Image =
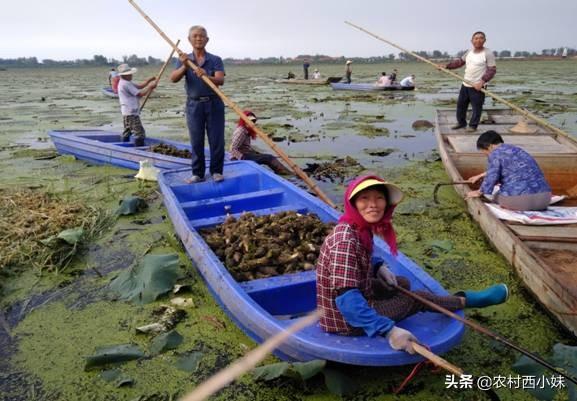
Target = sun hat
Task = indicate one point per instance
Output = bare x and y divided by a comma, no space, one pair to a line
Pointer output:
125,69
349,61
395,194
523,128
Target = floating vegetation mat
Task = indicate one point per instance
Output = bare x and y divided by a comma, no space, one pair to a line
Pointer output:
263,246
171,150
336,171
44,231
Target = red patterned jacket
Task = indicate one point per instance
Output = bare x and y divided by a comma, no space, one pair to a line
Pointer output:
343,263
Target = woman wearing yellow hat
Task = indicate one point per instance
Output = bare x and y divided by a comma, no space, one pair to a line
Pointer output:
355,294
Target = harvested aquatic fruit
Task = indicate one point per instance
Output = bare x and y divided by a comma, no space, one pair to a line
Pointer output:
263,246
170,150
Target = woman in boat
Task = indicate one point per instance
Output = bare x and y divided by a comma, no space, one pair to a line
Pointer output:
240,148
356,293
384,80
522,183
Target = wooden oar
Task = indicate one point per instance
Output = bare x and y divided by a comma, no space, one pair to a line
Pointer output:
159,75
440,184
247,362
481,329
238,111
525,113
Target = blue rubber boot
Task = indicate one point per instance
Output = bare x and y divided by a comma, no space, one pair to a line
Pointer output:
494,295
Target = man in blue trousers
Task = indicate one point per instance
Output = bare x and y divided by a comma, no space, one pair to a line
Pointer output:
204,109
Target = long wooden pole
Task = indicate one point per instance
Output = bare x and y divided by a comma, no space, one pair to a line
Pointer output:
437,360
247,362
238,111
159,75
483,330
523,112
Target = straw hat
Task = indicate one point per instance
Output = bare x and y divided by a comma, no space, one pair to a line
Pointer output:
395,194
523,128
124,69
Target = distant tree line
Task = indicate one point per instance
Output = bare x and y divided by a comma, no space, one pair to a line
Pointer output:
101,61
97,61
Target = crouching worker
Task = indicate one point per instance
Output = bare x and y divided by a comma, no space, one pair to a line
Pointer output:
523,185
355,294
240,148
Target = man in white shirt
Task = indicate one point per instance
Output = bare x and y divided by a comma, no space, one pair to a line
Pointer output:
128,96
480,68
408,82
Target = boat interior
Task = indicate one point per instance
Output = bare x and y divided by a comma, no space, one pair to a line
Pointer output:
555,153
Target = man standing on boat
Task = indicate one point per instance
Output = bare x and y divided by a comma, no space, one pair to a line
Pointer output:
306,66
348,71
480,68
204,109
128,96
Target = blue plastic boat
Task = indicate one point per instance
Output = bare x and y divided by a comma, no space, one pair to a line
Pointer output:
107,91
106,147
364,87
264,307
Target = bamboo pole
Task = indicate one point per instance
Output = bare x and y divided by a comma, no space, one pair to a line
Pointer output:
481,329
437,360
247,362
523,112
159,75
238,111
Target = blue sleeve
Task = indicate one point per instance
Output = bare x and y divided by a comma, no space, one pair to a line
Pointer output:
218,65
493,175
357,312
376,262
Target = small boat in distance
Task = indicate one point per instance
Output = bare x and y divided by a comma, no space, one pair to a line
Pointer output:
107,91
366,87
295,81
544,256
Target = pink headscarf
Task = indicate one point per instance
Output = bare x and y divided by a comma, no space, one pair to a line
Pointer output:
382,228
241,123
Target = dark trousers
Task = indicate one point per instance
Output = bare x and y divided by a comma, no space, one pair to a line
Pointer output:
206,116
476,98
399,306
132,126
260,158
306,72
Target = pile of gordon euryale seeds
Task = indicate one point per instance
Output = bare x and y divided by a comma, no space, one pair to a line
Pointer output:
263,246
170,150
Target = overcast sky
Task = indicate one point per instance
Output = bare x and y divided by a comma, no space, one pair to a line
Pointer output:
70,29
